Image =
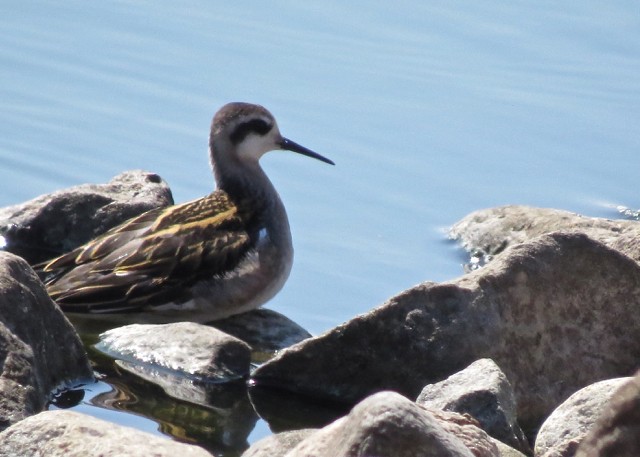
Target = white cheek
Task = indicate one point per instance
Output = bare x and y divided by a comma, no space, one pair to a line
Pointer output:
254,146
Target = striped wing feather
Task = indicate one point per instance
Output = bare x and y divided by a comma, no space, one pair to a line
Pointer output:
150,257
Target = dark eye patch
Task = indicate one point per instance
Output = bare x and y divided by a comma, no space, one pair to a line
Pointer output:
258,126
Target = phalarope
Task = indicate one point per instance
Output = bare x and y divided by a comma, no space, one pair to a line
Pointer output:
223,254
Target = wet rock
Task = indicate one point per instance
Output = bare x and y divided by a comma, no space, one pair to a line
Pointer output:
387,424
182,358
55,223
263,329
482,391
567,426
279,444
488,232
71,434
556,314
616,433
39,349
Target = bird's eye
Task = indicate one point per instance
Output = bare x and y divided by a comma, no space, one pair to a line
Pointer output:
257,126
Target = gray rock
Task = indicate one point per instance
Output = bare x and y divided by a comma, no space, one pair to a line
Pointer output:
265,330
39,349
279,444
488,232
387,424
616,433
56,223
567,426
556,314
482,391
507,451
182,358
71,434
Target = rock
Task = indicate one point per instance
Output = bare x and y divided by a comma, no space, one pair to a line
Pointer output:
39,349
556,314
182,357
616,432
567,426
387,424
488,232
507,451
70,434
279,444
52,224
265,330
482,391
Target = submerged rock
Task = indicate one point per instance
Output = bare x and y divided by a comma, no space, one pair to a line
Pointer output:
263,329
55,223
39,349
72,434
566,427
616,433
482,391
556,314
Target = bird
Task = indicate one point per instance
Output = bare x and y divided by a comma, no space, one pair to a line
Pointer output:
223,254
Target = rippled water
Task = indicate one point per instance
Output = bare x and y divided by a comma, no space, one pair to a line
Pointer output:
430,110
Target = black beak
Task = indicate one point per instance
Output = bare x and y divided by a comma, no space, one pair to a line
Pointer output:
295,147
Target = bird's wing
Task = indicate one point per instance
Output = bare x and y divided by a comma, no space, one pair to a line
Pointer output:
151,257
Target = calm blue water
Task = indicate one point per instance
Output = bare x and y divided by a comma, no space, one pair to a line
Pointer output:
430,110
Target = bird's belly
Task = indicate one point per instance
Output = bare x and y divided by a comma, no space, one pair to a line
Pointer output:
256,279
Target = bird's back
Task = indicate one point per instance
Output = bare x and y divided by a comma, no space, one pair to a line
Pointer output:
152,258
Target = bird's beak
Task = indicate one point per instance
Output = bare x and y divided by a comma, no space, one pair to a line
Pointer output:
295,147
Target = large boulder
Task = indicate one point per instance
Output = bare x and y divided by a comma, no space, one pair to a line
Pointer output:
556,313
55,223
39,349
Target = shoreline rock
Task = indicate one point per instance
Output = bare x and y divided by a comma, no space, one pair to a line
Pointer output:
483,391
569,423
58,222
616,432
40,350
70,434
543,311
185,359
486,233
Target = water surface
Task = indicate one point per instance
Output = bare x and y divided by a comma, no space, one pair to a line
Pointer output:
430,110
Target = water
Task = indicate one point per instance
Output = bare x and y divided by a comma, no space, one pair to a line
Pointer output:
430,110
